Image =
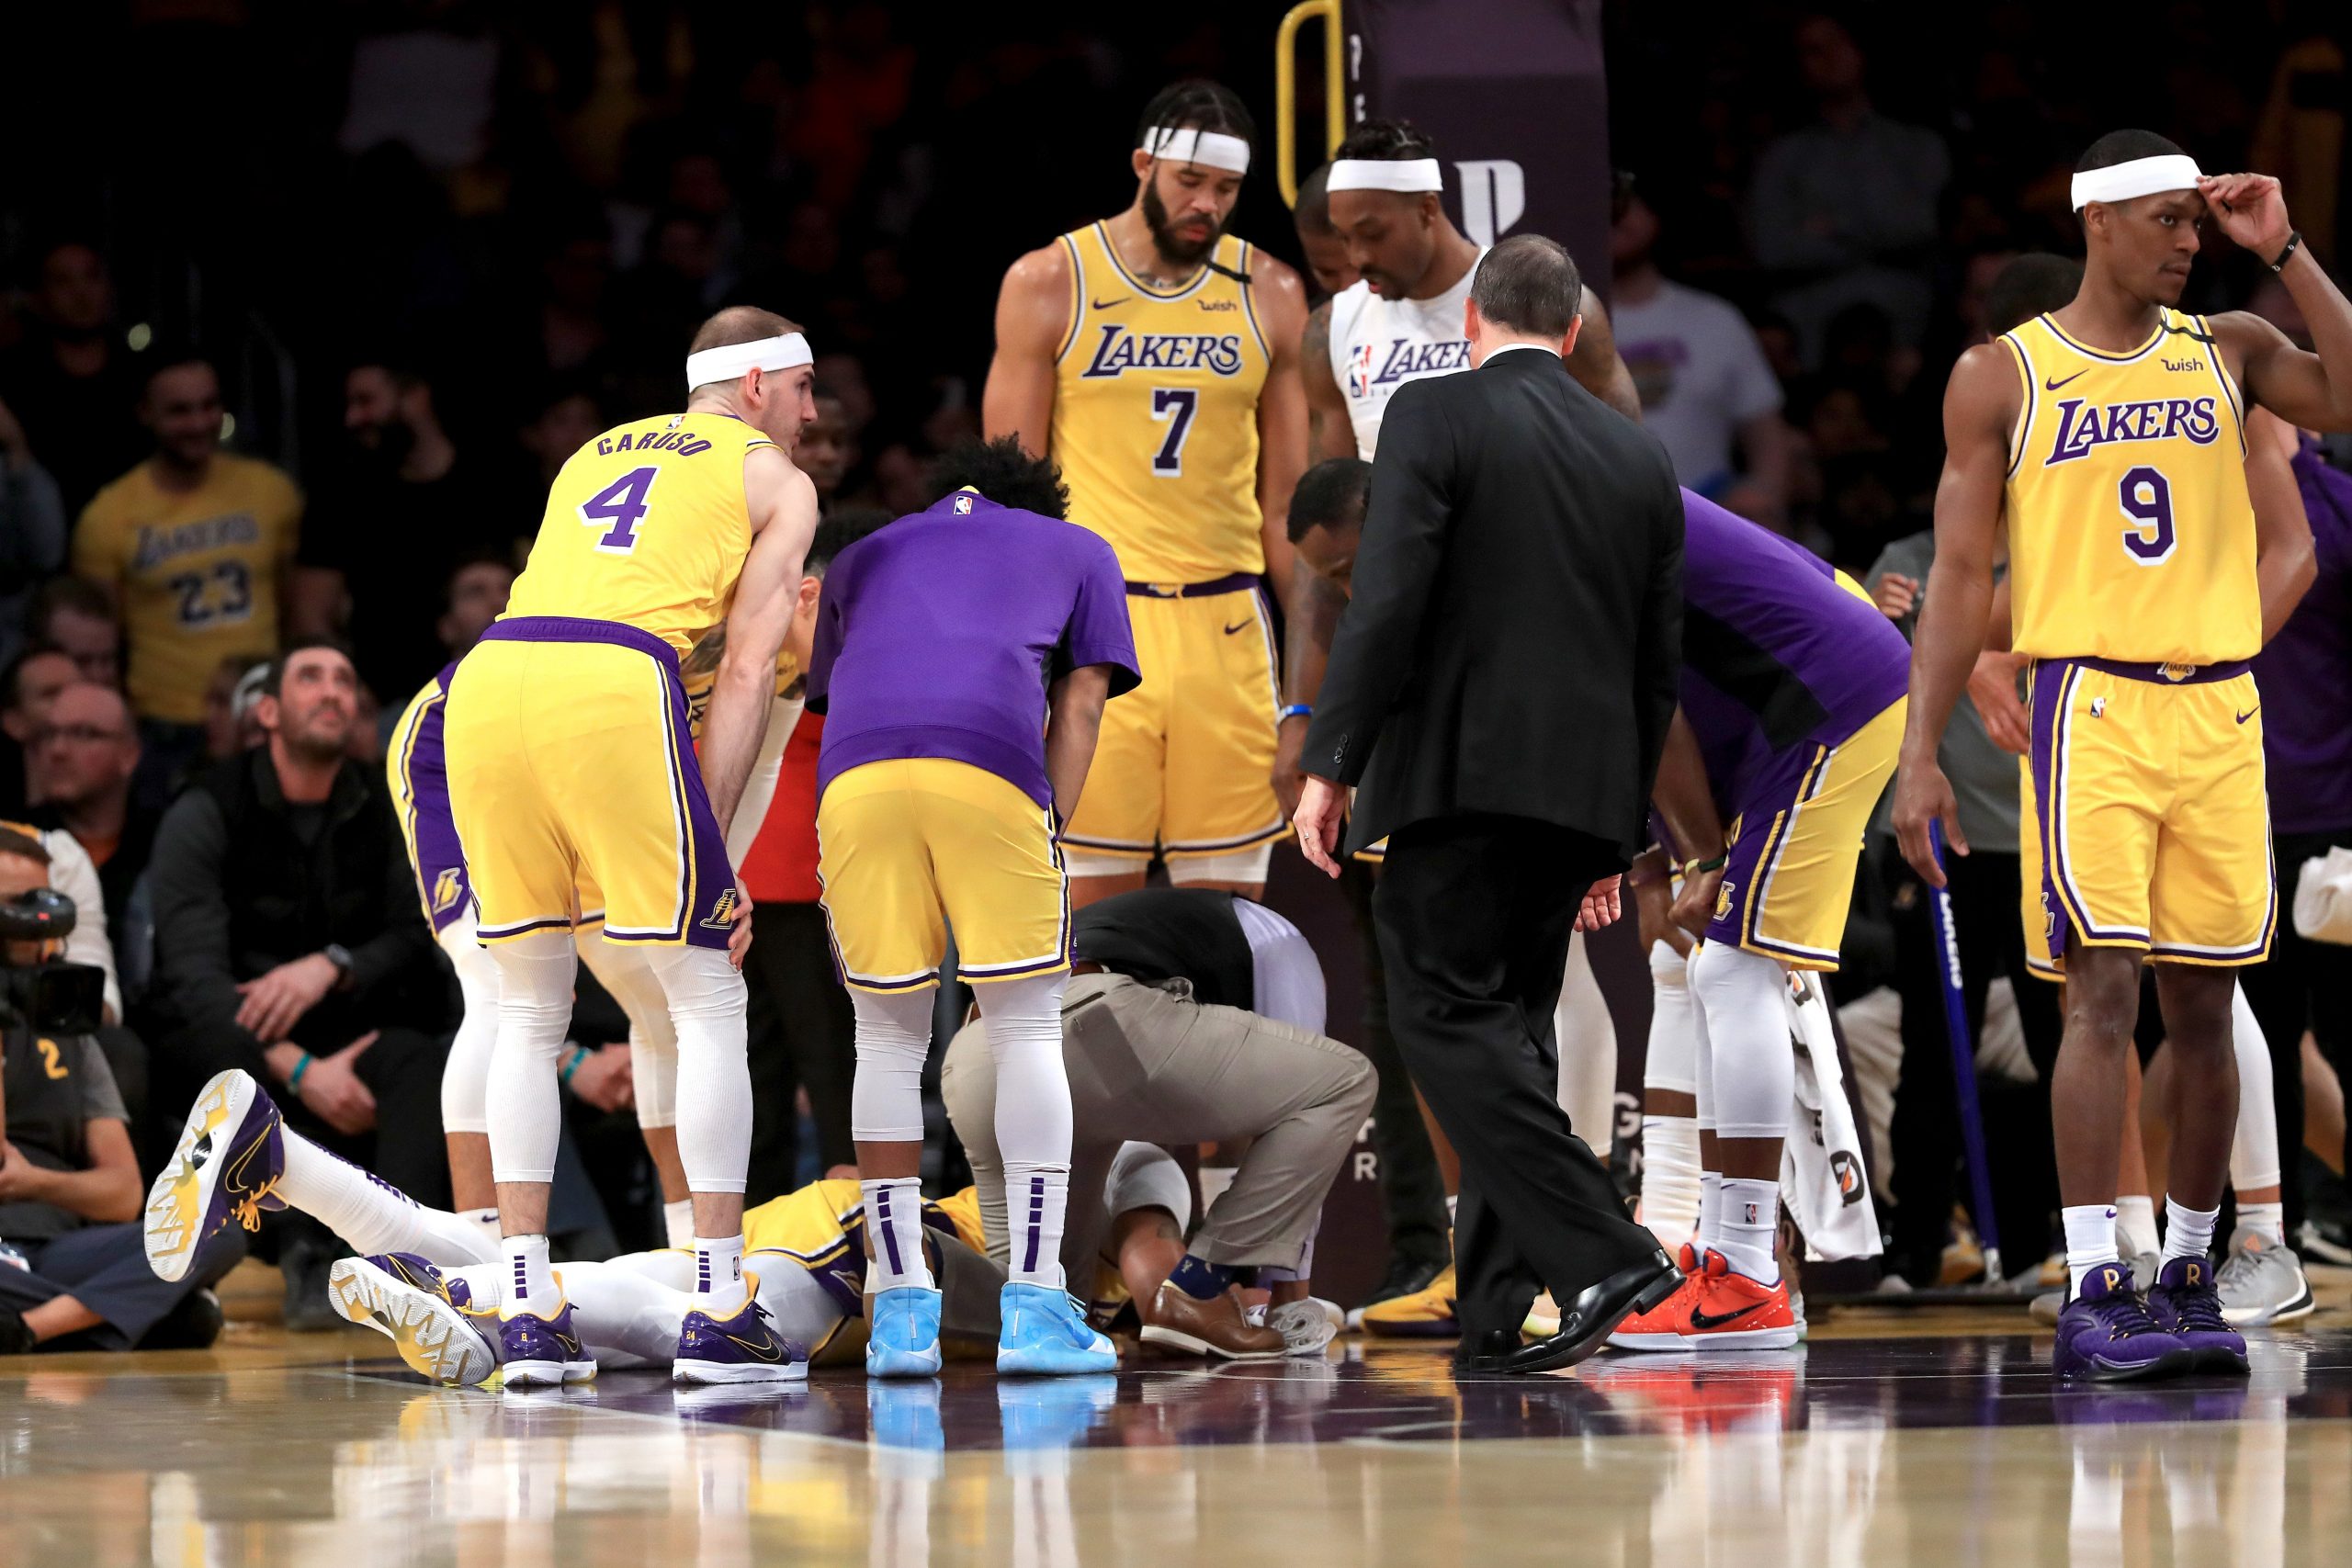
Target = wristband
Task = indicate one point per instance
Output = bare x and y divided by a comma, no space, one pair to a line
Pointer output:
579,1054
2294,241
1296,710
1693,867
294,1079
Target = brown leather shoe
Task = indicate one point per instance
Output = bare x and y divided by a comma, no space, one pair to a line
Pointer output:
1213,1328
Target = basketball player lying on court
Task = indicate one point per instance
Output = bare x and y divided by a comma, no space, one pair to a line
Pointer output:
2145,773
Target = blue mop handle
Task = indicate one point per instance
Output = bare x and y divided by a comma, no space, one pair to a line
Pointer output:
1964,1062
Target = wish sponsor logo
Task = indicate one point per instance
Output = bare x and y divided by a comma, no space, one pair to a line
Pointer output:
1119,351
2083,426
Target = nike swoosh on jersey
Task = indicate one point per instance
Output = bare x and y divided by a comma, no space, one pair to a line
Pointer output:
1235,627
1705,1320
2053,386
2249,713
1106,304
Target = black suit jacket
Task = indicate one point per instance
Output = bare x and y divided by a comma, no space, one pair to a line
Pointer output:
1514,638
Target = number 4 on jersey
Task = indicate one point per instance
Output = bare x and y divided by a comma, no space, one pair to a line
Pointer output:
619,507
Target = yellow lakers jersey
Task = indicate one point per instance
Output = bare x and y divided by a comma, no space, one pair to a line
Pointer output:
2130,532
1155,413
645,525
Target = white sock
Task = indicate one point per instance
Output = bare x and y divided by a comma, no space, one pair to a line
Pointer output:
2267,1220
894,1234
1671,1177
1711,1210
1452,1201
2135,1226
1751,1214
529,1284
1037,1198
486,1221
2090,1241
678,1221
2189,1233
370,1213
1033,1120
524,1106
708,1007
719,1274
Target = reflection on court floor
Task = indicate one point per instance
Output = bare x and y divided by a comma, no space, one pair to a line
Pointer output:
1863,1451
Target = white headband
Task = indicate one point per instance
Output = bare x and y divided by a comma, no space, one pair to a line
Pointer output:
1407,175
1209,149
726,364
2141,177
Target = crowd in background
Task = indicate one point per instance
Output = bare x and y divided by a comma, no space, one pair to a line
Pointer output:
366,273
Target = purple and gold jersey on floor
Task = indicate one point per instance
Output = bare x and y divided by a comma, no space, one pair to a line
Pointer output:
938,636
1779,650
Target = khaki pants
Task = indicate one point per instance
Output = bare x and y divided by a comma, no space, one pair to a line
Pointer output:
1154,1066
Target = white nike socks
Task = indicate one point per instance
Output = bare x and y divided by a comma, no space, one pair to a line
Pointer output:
1751,1216
2090,1241
2268,1221
1753,1064
1711,1210
894,1234
719,1274
1033,1119
708,1007
524,1106
370,1213
2189,1233
2135,1223
529,1284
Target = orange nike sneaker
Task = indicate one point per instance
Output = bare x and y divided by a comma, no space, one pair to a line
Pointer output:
1665,1326
1731,1312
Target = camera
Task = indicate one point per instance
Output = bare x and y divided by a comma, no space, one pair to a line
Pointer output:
54,997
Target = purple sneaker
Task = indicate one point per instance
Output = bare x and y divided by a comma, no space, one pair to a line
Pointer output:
742,1347
2187,1305
543,1352
226,1167
2106,1335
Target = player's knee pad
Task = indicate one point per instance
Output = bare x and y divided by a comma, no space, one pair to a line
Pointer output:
1743,999
1672,1061
654,1083
626,971
893,1038
699,984
535,978
465,1076
1024,1019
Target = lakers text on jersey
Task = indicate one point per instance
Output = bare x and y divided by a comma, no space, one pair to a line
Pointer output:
2131,552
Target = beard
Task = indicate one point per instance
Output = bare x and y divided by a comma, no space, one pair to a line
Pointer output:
388,442
1171,245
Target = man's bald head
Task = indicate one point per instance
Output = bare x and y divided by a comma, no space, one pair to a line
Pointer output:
740,324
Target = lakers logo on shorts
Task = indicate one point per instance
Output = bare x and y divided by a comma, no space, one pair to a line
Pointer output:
447,888
722,913
1724,896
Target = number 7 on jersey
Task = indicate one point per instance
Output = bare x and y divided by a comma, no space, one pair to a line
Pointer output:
619,506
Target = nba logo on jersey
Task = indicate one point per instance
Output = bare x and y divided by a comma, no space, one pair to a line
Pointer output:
1360,372
447,889
962,505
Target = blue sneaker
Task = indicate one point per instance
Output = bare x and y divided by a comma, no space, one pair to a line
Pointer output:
427,1314
2106,1335
1044,1330
2187,1305
226,1166
740,1348
905,1340
543,1352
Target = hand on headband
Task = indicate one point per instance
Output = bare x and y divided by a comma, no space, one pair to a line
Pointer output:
2250,208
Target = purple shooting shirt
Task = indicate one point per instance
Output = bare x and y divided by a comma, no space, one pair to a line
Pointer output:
1776,652
938,635
2307,733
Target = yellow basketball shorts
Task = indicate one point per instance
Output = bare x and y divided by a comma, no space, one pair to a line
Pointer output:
910,847
1184,763
2147,824
573,777
1789,881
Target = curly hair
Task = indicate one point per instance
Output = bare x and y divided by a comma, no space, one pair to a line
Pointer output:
1005,474
1387,140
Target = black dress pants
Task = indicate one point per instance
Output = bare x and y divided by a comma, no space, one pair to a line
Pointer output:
1474,914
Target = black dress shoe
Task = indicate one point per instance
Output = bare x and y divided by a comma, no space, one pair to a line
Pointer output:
1488,1351
1586,1322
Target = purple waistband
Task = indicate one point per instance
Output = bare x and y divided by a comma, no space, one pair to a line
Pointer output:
2160,675
1232,583
569,628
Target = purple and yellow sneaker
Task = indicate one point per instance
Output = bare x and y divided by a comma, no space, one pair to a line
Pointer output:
543,1352
2187,1305
741,1348
2106,1335
227,1166
428,1315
